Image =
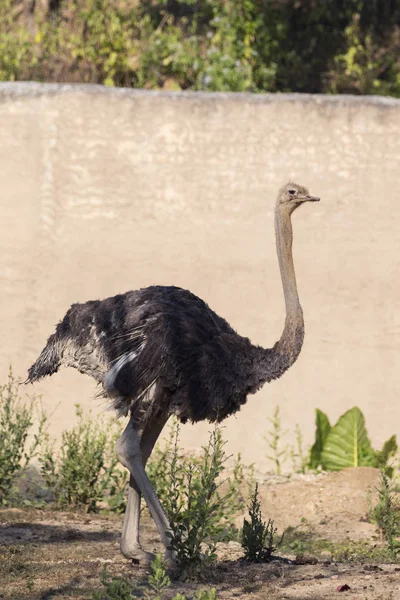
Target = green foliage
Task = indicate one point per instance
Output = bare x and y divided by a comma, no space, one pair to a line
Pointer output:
115,588
274,441
300,458
200,505
369,62
158,579
202,595
347,444
17,418
235,45
167,464
383,456
86,468
194,508
157,583
258,536
16,44
386,513
322,429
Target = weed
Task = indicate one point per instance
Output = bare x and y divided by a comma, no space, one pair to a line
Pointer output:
158,582
17,417
200,505
258,536
115,588
194,507
300,459
158,579
274,440
86,469
203,595
167,466
386,513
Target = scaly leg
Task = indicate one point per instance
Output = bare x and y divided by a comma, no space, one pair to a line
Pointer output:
134,449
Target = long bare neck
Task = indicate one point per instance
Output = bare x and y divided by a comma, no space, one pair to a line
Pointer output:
294,314
275,361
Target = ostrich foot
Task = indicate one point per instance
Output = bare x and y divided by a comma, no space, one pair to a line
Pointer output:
137,555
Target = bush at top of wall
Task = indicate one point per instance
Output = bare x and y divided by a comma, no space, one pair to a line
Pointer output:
346,444
339,46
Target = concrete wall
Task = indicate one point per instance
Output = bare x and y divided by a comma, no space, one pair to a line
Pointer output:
105,190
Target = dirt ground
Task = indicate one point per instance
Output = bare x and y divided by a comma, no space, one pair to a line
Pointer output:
57,555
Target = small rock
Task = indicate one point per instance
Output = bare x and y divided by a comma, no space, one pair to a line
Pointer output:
343,588
334,577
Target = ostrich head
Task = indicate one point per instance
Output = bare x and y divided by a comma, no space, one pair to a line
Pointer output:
292,195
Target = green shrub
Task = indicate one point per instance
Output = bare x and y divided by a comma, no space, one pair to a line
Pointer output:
258,537
200,505
85,472
369,62
235,45
157,583
17,418
386,513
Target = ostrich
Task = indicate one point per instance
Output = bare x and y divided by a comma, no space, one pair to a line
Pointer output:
161,351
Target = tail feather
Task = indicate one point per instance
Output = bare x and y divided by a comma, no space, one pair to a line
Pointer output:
48,362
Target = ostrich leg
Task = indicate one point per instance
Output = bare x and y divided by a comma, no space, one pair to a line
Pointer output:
133,450
130,544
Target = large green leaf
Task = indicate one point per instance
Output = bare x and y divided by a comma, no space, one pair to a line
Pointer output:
322,429
347,444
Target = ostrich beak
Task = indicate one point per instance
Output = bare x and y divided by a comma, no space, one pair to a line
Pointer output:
309,198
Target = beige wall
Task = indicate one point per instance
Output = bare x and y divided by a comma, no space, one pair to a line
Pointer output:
106,190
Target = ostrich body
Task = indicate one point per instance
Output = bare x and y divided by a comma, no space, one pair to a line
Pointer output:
160,351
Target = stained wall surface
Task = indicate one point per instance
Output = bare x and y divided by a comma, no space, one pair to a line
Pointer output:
107,190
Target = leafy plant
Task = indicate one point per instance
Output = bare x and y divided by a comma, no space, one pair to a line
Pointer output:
157,583
235,45
274,440
322,429
17,417
194,507
167,464
386,513
199,503
347,444
86,468
115,588
300,459
158,580
258,536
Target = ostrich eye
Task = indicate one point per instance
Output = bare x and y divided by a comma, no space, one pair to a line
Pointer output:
292,192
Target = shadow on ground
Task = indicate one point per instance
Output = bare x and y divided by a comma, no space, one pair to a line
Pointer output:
39,533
